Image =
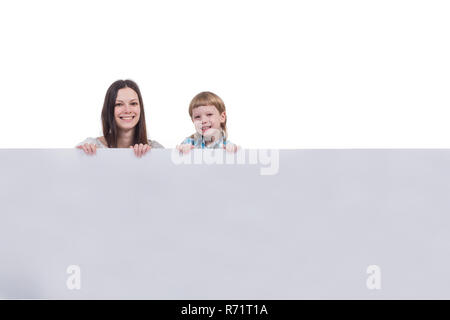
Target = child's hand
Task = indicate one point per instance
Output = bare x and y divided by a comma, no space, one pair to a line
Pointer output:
231,147
140,149
185,148
88,148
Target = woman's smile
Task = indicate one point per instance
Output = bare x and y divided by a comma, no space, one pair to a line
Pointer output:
127,118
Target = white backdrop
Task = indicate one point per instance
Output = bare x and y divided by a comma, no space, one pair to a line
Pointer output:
293,74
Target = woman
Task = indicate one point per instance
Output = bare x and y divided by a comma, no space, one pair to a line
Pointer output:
123,121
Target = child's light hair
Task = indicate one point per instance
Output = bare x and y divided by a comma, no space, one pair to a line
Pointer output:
207,98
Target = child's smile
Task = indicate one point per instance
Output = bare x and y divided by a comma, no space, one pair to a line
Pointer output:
205,128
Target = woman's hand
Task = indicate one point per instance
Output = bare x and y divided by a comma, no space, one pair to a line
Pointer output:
88,148
140,149
231,147
185,148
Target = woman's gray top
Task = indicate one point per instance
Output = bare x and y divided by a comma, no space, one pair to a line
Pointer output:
99,144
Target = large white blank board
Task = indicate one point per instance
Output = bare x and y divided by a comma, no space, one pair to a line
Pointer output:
152,229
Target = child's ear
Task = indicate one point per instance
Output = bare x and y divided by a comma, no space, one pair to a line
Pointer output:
223,116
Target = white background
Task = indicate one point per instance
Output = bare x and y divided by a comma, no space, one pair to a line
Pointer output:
293,74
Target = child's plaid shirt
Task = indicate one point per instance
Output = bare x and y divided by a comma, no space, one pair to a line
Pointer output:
198,141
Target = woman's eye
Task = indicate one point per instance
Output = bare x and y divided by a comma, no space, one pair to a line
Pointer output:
117,104
134,103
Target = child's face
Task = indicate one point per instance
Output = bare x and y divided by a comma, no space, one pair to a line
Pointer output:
207,118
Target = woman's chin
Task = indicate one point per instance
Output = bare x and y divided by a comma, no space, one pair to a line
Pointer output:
126,126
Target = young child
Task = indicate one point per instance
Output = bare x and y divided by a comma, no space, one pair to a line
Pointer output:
207,112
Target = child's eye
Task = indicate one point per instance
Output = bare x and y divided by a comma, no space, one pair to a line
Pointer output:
209,114
197,117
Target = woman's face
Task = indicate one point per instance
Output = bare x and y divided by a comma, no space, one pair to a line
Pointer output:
127,109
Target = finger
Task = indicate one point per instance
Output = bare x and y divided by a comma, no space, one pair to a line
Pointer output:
84,148
145,149
136,148
141,150
231,148
87,149
91,149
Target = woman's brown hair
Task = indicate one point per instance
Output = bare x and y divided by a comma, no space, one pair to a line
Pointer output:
110,131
